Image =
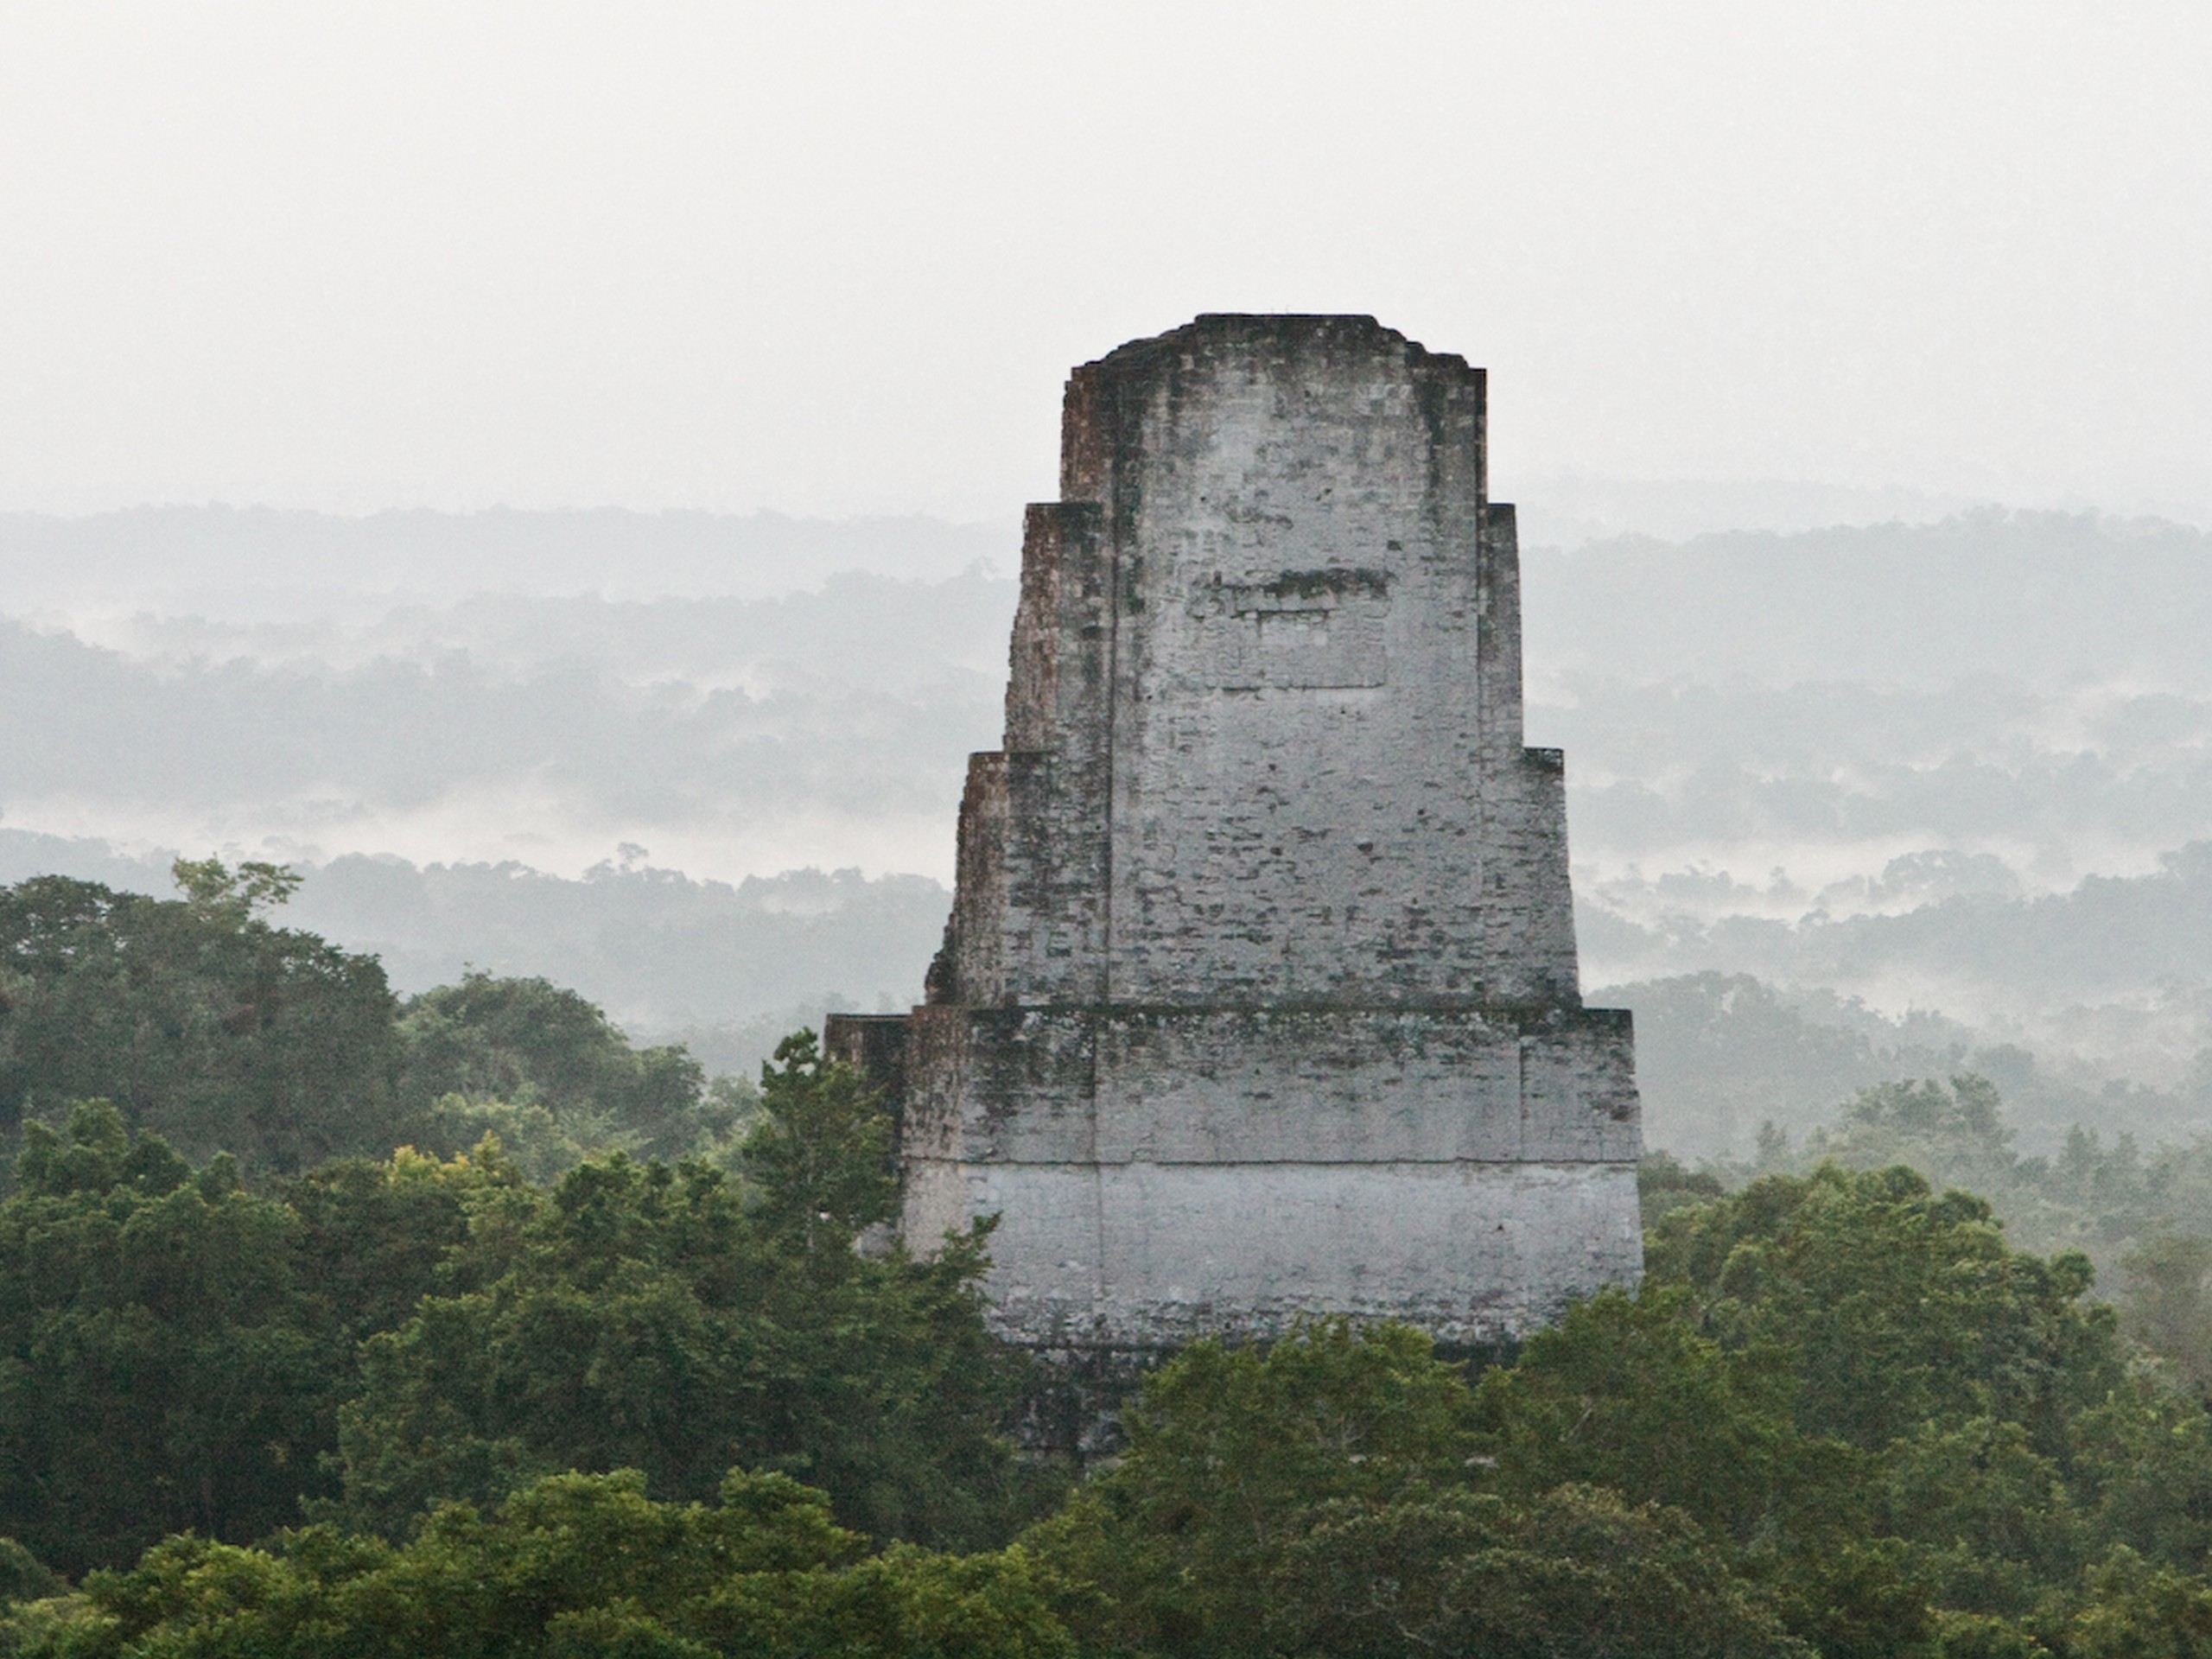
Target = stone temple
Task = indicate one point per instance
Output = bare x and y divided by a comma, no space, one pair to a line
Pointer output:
1259,997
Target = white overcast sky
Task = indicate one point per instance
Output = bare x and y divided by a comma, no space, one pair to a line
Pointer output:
834,259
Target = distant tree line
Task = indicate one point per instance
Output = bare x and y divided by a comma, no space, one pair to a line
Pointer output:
208,1026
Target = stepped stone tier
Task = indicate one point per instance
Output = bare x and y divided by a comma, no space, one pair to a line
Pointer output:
1259,997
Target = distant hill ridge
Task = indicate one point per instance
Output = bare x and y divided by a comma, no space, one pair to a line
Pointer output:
2048,597
193,554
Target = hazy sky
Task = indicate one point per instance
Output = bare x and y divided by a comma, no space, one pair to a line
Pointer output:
838,258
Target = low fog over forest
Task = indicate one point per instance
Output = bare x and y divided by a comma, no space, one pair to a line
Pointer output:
1845,804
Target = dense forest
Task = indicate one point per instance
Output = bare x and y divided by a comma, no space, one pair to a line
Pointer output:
336,1323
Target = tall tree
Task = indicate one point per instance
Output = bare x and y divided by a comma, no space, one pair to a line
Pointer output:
530,1043
202,1023
674,1321
161,1366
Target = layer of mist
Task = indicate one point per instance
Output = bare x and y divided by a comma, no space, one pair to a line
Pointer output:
268,564
733,737
1957,770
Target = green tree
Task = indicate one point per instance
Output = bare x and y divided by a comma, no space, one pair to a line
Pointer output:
674,1321
160,1367
820,1153
1899,1305
1576,1573
375,1237
1623,1392
484,1053
2169,1301
1664,1184
1340,1493
23,1577
2135,1609
2002,1436
1230,1451
174,1349
1992,1522
203,1024
572,1565
213,889
2141,1474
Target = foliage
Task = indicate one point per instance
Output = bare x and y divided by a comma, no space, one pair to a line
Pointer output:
2109,1198
1229,1450
204,1024
174,1349
375,1237
820,1154
1844,1416
211,888
176,1353
667,1320
1919,1121
1315,1498
162,1366
1695,1469
1902,1306
2135,1609
1625,1393
2004,1440
220,1033
2168,1308
1576,1571
503,1055
1663,1183
23,1577
571,1565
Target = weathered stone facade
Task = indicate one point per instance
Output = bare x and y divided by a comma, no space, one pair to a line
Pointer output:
1259,995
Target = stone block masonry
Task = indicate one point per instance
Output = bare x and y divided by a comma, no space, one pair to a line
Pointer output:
1259,997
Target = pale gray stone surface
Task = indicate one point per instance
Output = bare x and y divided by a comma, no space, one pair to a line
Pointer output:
1259,997
1155,1253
